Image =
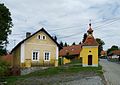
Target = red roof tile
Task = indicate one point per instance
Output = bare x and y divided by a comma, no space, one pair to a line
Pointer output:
90,41
116,52
71,50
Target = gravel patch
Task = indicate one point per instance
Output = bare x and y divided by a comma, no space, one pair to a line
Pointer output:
82,78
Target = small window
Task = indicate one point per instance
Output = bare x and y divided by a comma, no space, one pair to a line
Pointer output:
44,37
35,55
47,56
89,51
39,37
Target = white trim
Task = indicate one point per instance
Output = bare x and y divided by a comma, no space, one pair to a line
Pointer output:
22,53
40,44
89,46
38,55
93,65
57,52
49,55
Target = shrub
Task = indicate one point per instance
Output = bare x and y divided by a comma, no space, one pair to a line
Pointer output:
4,67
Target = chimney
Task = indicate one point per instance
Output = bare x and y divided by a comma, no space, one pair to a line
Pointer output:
28,34
55,38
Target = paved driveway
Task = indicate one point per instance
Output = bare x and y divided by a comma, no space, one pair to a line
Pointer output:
112,72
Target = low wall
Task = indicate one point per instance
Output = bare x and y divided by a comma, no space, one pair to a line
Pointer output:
25,71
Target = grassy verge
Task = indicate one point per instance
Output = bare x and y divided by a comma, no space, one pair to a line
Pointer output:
56,70
114,60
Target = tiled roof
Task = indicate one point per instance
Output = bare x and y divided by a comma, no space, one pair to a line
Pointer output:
103,52
116,52
90,41
70,50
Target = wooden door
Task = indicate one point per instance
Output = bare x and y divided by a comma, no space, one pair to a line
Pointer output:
89,59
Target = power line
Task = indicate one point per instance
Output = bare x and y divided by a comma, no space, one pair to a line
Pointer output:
75,34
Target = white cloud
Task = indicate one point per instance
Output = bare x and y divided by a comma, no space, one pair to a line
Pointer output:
72,16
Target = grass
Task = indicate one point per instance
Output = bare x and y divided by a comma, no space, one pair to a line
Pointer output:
114,60
56,70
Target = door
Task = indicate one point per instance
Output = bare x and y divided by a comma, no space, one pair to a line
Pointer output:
89,59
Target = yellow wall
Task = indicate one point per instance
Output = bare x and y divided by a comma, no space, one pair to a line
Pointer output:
85,52
65,60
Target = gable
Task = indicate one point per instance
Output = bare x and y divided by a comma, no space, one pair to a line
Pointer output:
38,39
32,39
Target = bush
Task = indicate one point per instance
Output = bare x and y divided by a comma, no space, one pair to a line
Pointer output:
4,67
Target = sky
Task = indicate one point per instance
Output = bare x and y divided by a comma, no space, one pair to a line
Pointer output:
66,19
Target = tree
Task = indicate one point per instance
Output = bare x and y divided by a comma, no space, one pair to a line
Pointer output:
79,42
100,47
114,47
84,37
73,43
65,44
5,25
61,43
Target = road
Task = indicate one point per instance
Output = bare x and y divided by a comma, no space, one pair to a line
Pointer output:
111,72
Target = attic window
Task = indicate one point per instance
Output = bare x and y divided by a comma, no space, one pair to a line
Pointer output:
89,51
39,37
44,37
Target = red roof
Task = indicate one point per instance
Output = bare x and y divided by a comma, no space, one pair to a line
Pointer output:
103,52
116,52
70,50
90,41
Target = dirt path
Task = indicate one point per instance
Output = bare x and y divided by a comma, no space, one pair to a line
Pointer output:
112,72
83,78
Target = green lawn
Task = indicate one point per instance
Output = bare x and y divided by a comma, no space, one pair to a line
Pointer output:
56,70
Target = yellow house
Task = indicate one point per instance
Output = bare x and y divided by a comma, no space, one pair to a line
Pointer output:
89,52
38,49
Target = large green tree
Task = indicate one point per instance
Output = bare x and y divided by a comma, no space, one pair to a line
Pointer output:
101,43
5,25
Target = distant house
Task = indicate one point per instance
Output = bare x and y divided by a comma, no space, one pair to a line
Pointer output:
103,53
70,53
114,54
87,51
38,49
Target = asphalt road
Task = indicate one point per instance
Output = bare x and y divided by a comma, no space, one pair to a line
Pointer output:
111,72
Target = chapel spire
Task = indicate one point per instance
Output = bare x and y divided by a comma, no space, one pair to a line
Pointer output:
90,31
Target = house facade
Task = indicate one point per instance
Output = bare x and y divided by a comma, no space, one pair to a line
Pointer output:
38,49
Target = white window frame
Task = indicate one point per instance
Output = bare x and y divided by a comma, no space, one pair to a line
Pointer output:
49,55
38,56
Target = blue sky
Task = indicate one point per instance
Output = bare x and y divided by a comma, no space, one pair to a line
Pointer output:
71,17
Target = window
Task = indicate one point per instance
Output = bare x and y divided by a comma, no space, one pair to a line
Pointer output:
47,56
35,55
41,37
44,37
